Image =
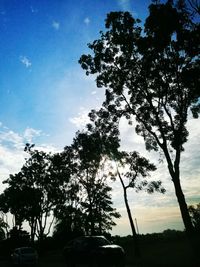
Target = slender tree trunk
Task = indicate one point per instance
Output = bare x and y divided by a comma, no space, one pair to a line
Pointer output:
175,174
183,206
32,225
91,215
135,236
92,222
187,220
137,251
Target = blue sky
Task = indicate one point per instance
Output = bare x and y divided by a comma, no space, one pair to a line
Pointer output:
41,82
45,95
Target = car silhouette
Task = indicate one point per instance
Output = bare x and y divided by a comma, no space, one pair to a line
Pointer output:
93,251
24,256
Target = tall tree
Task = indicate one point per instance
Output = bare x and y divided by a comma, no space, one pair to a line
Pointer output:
89,150
70,215
152,74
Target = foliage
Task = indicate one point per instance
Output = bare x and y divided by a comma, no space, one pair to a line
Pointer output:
90,150
195,215
3,229
33,193
136,170
69,223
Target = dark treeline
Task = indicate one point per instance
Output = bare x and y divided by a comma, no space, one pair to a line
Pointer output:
69,188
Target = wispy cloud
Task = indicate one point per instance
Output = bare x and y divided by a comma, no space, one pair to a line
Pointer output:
31,133
33,10
81,119
56,25
125,5
2,12
87,21
11,138
25,61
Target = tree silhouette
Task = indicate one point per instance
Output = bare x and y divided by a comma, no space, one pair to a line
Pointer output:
152,75
70,216
89,150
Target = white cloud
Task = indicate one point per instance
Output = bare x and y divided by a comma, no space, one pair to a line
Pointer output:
124,4
48,148
87,21
11,161
56,25
12,155
9,138
130,140
25,61
12,138
30,133
82,119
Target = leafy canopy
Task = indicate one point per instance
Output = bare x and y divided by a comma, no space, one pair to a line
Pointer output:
151,73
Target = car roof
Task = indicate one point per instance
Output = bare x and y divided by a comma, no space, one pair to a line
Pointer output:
24,248
91,236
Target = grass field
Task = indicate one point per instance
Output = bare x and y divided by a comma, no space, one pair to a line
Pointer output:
163,253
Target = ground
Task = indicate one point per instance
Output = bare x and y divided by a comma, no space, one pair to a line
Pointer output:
156,253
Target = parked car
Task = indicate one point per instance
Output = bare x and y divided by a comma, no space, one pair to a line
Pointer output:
93,251
24,256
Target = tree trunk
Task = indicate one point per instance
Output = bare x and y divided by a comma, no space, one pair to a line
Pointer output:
183,206
187,220
137,251
33,229
175,175
92,228
135,236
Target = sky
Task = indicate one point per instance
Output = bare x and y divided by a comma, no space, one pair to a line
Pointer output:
45,97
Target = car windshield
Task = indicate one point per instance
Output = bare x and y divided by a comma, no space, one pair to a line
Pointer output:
27,250
99,241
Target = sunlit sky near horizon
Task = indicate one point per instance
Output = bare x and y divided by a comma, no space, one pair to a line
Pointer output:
46,96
